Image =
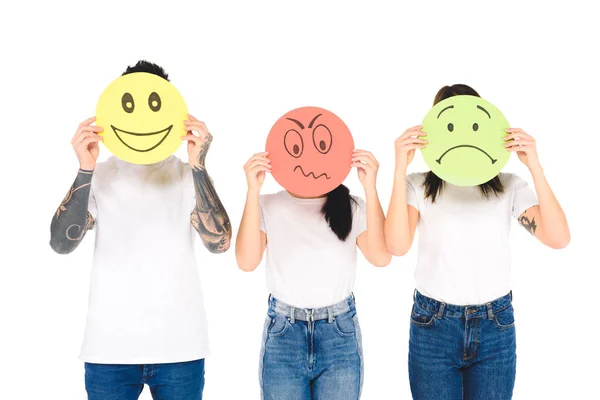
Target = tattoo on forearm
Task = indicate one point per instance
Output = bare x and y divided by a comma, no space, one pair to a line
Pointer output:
209,217
530,226
72,219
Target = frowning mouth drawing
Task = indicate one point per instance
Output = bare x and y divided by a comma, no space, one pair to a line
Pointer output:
439,160
310,173
150,135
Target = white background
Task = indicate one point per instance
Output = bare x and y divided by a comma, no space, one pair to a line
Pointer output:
240,66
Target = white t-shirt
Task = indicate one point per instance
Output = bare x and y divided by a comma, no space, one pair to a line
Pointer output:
464,253
145,302
307,265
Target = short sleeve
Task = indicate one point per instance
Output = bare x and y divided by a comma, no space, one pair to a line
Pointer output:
524,197
360,215
261,205
411,191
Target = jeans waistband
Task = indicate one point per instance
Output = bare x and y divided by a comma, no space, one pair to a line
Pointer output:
311,314
440,309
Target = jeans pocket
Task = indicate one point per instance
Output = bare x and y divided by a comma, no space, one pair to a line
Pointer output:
278,326
345,324
505,318
421,317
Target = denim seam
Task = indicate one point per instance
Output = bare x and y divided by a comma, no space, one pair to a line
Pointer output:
283,331
343,334
360,355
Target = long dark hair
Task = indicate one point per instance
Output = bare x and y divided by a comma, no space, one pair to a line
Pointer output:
433,184
338,211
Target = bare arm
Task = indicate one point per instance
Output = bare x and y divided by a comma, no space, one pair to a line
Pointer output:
251,241
401,221
372,242
547,221
72,219
208,217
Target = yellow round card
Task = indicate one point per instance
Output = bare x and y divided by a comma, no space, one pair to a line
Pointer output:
142,116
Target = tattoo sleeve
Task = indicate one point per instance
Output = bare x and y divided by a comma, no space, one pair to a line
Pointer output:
72,219
209,217
530,226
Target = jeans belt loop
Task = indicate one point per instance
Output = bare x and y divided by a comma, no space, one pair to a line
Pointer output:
414,294
440,312
292,315
330,317
490,311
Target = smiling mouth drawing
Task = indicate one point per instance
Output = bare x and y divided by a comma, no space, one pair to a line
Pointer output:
166,131
310,173
439,160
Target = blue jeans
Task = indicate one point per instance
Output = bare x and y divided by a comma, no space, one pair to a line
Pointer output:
462,352
174,381
311,353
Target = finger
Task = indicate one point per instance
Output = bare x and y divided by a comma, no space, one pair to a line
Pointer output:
88,140
364,167
410,141
258,156
524,149
87,122
201,130
518,135
192,138
192,118
363,158
195,123
82,129
81,137
259,168
258,162
415,147
370,157
518,132
409,134
521,142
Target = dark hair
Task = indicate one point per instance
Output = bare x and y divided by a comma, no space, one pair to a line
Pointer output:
146,66
338,211
433,184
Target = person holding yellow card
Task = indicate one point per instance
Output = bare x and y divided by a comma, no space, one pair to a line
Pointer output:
146,321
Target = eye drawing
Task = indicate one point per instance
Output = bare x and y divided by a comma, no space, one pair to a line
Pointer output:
475,127
293,143
127,103
450,127
154,101
322,139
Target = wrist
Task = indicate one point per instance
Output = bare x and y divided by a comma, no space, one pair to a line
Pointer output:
253,193
87,167
400,171
370,191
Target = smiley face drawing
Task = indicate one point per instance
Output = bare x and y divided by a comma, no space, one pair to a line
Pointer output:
142,115
310,149
466,146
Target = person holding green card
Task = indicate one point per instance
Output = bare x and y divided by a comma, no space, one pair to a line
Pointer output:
462,334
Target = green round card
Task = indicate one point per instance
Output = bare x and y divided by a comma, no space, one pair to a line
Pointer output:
466,140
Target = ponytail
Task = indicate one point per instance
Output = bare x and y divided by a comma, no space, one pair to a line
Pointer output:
338,211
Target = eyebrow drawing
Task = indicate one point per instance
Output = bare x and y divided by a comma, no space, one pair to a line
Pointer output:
485,111
313,121
298,122
444,110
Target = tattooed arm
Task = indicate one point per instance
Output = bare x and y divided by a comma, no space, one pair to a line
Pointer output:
209,217
72,219
547,222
